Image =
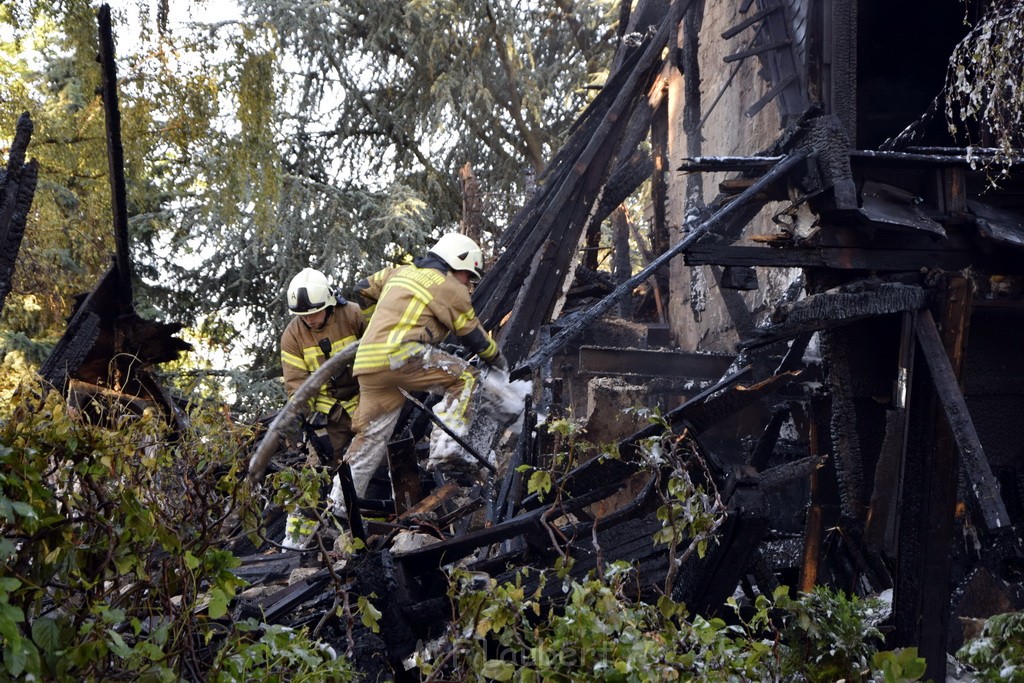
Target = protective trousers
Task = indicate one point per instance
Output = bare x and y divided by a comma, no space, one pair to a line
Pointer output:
333,439
380,404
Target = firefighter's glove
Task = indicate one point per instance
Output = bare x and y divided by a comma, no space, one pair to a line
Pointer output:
499,362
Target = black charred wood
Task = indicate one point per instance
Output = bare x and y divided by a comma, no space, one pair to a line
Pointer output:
17,189
973,464
705,583
835,309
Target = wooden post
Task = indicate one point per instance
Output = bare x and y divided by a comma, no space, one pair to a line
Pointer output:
928,495
822,511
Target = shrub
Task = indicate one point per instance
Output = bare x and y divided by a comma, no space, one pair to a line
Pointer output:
111,547
998,653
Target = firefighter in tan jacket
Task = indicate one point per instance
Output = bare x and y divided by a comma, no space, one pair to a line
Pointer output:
323,325
410,309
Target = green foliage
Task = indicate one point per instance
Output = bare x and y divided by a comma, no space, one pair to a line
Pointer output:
984,93
569,447
998,653
600,633
897,666
111,535
830,635
277,653
691,509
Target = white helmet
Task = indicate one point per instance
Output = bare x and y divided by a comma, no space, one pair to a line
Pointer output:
309,292
460,253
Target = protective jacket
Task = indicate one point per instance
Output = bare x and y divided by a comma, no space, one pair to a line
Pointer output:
413,306
303,350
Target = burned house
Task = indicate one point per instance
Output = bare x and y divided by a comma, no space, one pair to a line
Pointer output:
829,315
826,224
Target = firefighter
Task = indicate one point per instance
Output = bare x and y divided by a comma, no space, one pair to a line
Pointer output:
411,309
323,325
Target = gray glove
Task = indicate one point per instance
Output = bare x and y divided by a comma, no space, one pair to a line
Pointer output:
499,362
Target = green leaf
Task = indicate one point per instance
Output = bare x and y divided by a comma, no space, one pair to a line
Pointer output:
46,634
191,561
218,603
498,669
369,614
117,644
7,549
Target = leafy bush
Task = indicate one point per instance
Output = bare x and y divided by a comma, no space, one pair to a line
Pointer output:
111,537
998,653
504,633
829,635
601,633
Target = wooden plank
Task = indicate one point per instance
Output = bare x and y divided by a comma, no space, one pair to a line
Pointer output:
973,463
928,495
759,49
730,163
705,584
880,525
430,557
821,508
598,360
437,498
405,475
749,21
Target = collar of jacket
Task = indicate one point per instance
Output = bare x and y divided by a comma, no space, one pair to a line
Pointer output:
432,261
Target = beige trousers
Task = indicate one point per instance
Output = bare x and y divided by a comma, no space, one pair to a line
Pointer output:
380,404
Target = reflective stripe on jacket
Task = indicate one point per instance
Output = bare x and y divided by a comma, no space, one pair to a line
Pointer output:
414,306
301,355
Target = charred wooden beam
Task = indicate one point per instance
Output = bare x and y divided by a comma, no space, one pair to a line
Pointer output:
115,160
570,207
751,164
843,258
757,50
594,360
973,463
511,489
783,475
774,92
17,188
572,182
429,558
998,225
762,452
928,496
835,309
838,350
823,507
890,158
749,21
704,584
880,526
103,347
701,412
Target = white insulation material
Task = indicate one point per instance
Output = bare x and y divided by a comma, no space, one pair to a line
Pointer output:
496,399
